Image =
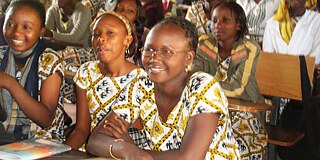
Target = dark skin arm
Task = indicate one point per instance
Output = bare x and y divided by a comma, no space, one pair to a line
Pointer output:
100,141
41,112
82,127
191,145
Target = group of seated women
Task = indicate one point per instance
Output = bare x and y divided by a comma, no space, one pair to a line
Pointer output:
156,93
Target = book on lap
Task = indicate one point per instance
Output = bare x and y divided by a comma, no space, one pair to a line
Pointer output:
33,148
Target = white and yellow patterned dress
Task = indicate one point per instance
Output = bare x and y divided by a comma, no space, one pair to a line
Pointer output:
102,91
51,62
249,133
202,94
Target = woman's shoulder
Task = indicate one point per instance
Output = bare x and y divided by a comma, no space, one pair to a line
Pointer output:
249,44
199,80
205,37
52,53
82,8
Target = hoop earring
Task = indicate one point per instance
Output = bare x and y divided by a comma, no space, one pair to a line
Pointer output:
188,68
127,52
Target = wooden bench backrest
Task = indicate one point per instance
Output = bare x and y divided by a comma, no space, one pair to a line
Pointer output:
279,75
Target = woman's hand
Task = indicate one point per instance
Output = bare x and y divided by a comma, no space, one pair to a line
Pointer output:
118,128
5,79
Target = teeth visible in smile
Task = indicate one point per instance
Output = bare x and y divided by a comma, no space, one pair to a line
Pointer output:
17,42
156,69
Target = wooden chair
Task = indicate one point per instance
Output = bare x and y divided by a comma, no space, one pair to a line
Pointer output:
277,75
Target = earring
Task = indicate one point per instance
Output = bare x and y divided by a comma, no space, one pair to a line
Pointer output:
127,51
188,68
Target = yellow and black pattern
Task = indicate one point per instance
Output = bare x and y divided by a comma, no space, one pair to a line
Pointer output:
202,94
51,62
102,91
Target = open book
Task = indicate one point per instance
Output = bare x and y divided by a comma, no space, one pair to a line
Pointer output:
33,148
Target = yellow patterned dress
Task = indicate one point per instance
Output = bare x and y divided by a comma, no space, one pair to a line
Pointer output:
51,62
102,91
202,94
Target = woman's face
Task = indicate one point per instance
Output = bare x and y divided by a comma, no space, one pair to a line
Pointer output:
224,25
63,3
110,38
22,28
128,8
166,54
296,6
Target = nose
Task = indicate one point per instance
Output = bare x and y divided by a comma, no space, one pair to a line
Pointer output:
17,31
155,56
101,39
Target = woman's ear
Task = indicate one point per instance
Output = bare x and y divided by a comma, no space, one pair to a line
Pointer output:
128,40
238,27
42,31
190,56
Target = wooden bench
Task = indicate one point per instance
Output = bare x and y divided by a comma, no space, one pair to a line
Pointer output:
277,75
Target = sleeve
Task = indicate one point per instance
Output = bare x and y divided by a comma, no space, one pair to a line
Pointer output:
244,74
208,97
267,38
51,14
81,77
50,62
316,44
201,61
81,25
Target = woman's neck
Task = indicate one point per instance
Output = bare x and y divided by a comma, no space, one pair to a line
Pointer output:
225,47
113,69
174,88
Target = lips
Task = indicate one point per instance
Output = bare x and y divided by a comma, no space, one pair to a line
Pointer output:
102,50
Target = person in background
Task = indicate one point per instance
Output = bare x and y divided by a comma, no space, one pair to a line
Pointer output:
153,12
67,24
172,102
231,58
258,12
3,7
169,7
100,5
199,14
295,29
133,10
31,75
100,82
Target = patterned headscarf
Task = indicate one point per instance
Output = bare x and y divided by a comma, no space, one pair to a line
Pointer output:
282,15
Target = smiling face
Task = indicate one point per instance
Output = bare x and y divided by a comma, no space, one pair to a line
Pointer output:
128,8
110,38
22,27
165,70
225,25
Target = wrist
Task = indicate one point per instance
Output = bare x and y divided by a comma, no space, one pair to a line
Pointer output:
115,149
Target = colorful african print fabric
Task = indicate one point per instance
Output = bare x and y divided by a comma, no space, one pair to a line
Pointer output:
102,91
197,16
202,94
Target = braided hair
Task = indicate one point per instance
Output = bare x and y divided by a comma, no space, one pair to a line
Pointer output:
190,30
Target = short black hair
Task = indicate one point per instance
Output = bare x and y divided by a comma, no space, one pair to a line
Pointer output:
37,6
238,13
189,28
